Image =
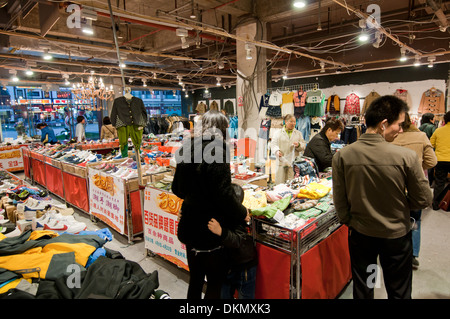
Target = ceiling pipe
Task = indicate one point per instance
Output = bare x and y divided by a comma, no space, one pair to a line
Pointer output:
88,65
363,15
164,27
222,34
439,14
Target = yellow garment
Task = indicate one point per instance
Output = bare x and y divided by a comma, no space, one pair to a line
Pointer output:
440,140
40,233
314,191
254,200
288,97
40,257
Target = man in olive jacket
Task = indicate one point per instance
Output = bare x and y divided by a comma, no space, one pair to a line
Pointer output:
375,185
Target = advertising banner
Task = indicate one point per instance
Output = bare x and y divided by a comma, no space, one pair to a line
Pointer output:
107,199
11,159
160,226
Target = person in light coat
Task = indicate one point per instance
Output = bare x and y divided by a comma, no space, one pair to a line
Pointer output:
286,145
416,140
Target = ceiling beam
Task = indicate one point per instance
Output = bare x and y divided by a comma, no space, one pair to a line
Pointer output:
365,16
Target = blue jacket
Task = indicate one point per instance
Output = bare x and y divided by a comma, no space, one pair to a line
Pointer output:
51,135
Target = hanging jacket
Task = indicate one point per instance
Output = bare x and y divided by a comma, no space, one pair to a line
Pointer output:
128,112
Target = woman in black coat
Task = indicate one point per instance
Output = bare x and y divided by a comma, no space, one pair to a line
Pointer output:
203,180
319,147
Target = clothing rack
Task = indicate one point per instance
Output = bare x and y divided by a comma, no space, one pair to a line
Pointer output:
296,87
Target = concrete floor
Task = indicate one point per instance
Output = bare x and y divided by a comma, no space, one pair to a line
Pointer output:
430,281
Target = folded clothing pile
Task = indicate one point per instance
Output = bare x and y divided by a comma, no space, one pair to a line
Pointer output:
254,199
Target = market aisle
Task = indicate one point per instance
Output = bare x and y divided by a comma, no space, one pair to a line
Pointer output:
171,278
432,279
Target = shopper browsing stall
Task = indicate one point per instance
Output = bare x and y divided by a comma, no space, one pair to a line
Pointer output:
319,147
414,139
79,130
441,143
286,145
375,185
108,132
47,134
203,180
241,252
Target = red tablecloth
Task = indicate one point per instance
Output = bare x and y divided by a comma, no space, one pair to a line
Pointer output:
76,191
325,269
54,183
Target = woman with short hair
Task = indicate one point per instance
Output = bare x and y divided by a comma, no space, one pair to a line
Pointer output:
319,148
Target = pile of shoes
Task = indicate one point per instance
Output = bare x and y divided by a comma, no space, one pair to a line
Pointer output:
21,207
128,169
60,220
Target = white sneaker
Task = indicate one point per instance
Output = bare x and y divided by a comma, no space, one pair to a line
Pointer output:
75,227
133,174
119,172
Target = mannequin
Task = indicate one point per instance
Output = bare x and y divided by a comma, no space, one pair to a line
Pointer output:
127,94
128,116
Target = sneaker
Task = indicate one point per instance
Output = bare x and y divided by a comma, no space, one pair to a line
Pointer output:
75,227
119,172
129,161
132,174
58,226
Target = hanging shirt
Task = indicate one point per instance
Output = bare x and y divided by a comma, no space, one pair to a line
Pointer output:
276,99
352,105
372,96
299,98
333,104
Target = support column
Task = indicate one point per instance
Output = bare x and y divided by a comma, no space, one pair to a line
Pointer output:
251,83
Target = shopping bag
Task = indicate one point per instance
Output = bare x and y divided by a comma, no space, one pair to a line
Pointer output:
445,202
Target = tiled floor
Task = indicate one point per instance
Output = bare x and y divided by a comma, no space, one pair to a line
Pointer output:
430,281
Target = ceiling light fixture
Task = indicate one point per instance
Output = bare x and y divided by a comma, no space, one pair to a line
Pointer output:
183,34
285,75
192,16
29,72
87,28
206,90
431,60
66,79
218,82
322,67
299,3
144,83
403,56
47,55
248,50
14,77
417,61
363,36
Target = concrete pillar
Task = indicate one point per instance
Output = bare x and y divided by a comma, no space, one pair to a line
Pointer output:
251,83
